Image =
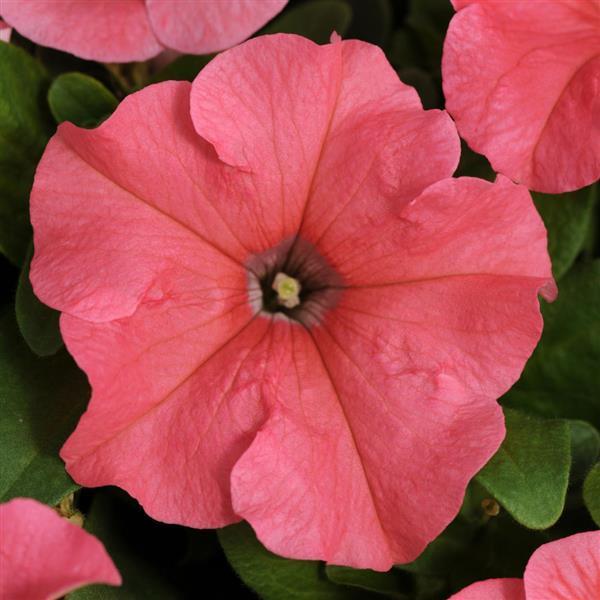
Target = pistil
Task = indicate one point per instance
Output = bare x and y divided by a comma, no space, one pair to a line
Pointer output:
288,290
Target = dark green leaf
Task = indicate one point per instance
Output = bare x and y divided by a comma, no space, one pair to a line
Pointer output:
436,13
530,472
25,126
415,50
405,50
498,548
371,21
424,84
80,99
591,245
56,63
591,493
315,19
385,584
136,545
473,164
562,377
38,323
474,546
41,400
277,578
183,68
567,218
429,20
585,449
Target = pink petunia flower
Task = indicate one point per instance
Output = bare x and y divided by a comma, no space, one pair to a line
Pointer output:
522,81
43,556
567,569
287,310
132,30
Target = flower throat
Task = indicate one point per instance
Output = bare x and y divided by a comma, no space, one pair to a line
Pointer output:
294,280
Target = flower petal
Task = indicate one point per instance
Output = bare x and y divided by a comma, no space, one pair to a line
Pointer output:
493,589
429,354
101,30
455,227
566,568
44,556
176,401
361,479
302,484
208,26
285,109
522,84
432,430
381,144
236,104
116,207
451,284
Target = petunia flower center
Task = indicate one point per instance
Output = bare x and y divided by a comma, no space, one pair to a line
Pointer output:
288,290
293,279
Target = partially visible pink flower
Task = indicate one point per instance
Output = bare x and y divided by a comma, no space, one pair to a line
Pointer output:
43,556
567,569
5,31
493,589
131,30
287,309
522,81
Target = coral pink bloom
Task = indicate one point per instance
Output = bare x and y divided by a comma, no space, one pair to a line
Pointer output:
567,569
288,313
43,556
522,81
128,30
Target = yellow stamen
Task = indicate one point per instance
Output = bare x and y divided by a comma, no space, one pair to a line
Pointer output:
288,290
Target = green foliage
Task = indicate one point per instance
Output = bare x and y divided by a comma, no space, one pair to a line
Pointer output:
585,449
315,19
567,219
428,20
131,541
530,472
473,164
415,49
562,378
56,63
25,126
183,68
371,21
383,584
475,546
591,493
425,85
40,402
38,323
404,50
277,578
420,40
80,99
